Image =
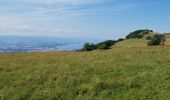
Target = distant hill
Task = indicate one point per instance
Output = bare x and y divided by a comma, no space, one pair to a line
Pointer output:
139,33
14,44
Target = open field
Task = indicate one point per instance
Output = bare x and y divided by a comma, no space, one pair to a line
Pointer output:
128,71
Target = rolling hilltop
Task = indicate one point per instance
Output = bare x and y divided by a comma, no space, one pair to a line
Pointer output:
130,70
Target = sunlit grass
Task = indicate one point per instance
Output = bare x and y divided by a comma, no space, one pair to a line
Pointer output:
128,71
167,40
132,43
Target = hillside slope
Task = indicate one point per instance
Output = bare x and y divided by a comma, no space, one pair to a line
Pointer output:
132,43
138,42
129,71
167,40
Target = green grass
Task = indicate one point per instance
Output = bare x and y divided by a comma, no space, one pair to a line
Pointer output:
132,43
125,72
167,40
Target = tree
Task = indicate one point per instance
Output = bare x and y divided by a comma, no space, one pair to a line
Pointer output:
163,40
120,39
148,37
157,39
102,45
138,33
105,45
89,47
107,42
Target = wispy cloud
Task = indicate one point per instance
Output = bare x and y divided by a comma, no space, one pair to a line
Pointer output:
35,15
63,2
62,9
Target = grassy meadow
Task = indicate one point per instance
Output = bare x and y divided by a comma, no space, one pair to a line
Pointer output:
128,71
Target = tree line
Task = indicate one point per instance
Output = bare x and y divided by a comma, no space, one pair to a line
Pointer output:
152,37
102,45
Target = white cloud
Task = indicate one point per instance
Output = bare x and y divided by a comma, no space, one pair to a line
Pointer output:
15,26
60,2
36,16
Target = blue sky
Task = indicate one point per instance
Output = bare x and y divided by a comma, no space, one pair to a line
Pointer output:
82,18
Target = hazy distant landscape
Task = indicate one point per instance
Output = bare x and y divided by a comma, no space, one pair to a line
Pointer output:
14,44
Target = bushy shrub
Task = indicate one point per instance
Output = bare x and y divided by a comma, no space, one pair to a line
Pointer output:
148,37
157,39
107,43
102,45
88,47
120,39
